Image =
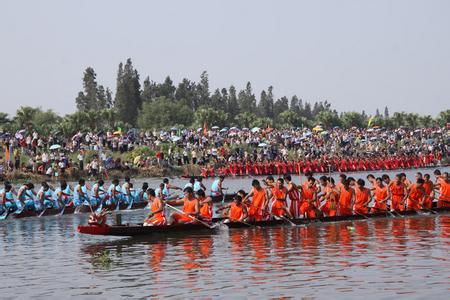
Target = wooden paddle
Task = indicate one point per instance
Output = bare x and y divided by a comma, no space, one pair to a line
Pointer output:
192,217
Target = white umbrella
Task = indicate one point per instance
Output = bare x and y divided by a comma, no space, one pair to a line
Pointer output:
54,147
262,145
176,138
215,127
223,130
255,129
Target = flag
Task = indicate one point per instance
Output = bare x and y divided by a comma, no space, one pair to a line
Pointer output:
205,129
6,154
369,122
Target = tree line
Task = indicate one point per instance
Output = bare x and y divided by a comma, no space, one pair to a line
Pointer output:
154,105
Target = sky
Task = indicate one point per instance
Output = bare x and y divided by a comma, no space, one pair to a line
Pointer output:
358,55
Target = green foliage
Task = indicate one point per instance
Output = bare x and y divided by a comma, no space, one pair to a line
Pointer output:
328,118
245,119
211,117
163,112
350,119
444,117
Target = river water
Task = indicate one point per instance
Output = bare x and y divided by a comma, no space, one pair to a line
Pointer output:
385,258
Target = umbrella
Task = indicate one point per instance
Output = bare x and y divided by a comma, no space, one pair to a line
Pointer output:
318,128
234,128
18,136
215,127
173,129
22,131
374,138
255,129
324,133
286,136
55,146
199,129
245,129
117,132
307,134
176,138
223,130
262,145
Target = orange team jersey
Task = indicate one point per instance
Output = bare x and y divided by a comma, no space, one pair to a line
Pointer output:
236,212
188,207
278,207
361,200
415,197
444,197
345,202
331,197
255,209
279,194
397,195
306,207
428,188
158,218
380,194
206,211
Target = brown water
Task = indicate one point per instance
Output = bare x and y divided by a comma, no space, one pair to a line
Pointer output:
385,258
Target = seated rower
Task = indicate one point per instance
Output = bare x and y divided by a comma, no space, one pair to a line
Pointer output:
45,197
331,197
206,211
114,193
127,191
7,199
156,217
80,193
346,199
217,188
63,194
279,204
237,212
381,196
98,193
191,208
25,197
444,191
142,195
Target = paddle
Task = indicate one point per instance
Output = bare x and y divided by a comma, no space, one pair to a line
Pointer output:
193,218
5,214
284,218
42,212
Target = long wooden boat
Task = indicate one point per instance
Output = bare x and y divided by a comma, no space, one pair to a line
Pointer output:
225,198
139,229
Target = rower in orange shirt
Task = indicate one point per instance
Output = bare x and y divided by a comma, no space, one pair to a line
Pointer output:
381,196
444,191
309,195
330,195
362,198
191,208
206,211
416,196
399,193
428,186
259,201
279,194
156,217
346,199
237,212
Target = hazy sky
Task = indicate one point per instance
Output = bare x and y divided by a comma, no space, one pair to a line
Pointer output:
356,54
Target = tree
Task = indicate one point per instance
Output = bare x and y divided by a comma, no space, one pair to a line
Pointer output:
266,105
24,117
245,119
210,117
232,105
328,118
280,106
386,113
186,92
87,100
128,96
163,113
289,118
350,119
426,121
444,117
412,120
203,90
4,120
148,91
247,100
295,105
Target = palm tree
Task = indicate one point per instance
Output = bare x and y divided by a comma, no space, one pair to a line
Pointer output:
24,116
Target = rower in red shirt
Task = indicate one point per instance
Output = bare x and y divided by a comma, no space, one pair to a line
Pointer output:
444,191
309,195
237,212
294,196
346,199
399,193
428,187
362,198
381,195
416,195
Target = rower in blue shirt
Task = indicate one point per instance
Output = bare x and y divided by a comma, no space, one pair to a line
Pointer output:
80,193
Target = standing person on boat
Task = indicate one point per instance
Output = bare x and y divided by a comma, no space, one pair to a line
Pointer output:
160,192
142,195
80,193
114,192
206,210
25,197
63,194
294,196
346,198
237,211
190,183
399,193
331,196
259,202
381,195
44,197
126,191
279,205
98,193
428,187
362,198
168,187
198,185
309,196
191,208
156,217
416,196
217,188
7,199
